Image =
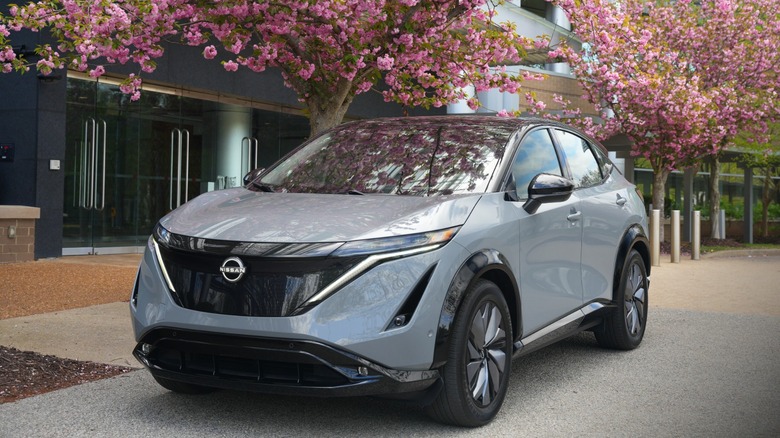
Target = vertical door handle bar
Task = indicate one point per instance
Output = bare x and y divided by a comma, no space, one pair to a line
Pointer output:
186,167
180,143
92,164
103,184
170,181
252,145
83,160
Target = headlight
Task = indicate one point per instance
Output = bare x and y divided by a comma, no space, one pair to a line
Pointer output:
161,235
382,250
396,243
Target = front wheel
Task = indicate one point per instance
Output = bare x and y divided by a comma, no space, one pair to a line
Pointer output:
624,327
476,374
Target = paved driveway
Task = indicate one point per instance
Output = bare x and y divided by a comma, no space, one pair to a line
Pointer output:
697,373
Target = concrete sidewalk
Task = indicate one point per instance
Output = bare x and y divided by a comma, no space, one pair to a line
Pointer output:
732,282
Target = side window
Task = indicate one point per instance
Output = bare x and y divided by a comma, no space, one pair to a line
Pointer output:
535,155
585,171
604,162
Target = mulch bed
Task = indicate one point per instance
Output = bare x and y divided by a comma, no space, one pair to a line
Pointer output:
25,374
30,288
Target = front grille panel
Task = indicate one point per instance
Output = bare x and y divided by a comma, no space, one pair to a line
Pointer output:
247,369
270,287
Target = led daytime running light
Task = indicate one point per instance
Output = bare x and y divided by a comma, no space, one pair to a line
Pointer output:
396,243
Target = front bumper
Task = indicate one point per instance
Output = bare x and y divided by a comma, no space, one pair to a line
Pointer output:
270,365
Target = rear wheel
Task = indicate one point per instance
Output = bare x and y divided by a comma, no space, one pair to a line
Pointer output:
182,387
624,327
476,375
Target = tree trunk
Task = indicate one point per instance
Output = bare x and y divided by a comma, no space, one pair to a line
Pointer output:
322,119
715,196
660,176
766,198
328,111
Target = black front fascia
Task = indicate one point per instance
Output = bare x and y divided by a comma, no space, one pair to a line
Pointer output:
271,286
268,365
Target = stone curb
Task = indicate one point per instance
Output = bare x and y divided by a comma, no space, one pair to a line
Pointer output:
768,252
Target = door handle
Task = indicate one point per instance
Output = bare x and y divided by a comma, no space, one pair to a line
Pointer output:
574,216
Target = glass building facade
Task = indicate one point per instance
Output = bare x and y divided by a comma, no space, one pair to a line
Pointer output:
129,163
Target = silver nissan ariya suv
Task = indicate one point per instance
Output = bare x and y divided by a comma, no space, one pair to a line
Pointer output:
408,257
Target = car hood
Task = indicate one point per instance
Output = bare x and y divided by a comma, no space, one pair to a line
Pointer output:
243,215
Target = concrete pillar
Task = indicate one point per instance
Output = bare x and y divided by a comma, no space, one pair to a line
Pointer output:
687,203
233,124
558,17
748,215
696,242
461,106
558,67
629,169
675,236
491,101
655,237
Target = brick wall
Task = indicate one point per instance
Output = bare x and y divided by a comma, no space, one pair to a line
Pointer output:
17,233
564,86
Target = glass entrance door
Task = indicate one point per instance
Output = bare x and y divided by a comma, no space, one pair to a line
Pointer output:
127,164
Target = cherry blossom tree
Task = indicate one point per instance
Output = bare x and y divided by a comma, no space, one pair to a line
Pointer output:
736,50
679,78
415,52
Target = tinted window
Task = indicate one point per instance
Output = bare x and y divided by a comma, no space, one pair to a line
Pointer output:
406,157
536,155
604,162
584,168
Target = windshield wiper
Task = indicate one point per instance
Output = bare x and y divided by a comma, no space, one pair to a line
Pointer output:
262,187
353,192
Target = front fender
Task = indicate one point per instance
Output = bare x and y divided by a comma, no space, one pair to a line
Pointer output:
487,263
633,238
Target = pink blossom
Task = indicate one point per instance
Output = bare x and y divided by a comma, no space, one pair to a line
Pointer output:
230,66
385,62
97,71
209,52
306,71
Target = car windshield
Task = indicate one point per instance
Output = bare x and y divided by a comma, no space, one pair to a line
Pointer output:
395,156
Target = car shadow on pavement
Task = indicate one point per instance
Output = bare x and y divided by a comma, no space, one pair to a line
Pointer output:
532,377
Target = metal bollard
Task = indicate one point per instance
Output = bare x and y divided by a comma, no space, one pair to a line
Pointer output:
655,237
675,236
696,244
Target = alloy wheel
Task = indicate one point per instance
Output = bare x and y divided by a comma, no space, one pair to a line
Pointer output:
635,300
486,359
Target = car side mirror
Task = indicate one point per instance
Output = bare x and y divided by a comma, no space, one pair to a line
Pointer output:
545,188
252,174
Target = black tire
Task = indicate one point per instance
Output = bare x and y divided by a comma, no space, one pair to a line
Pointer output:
476,375
624,327
182,387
